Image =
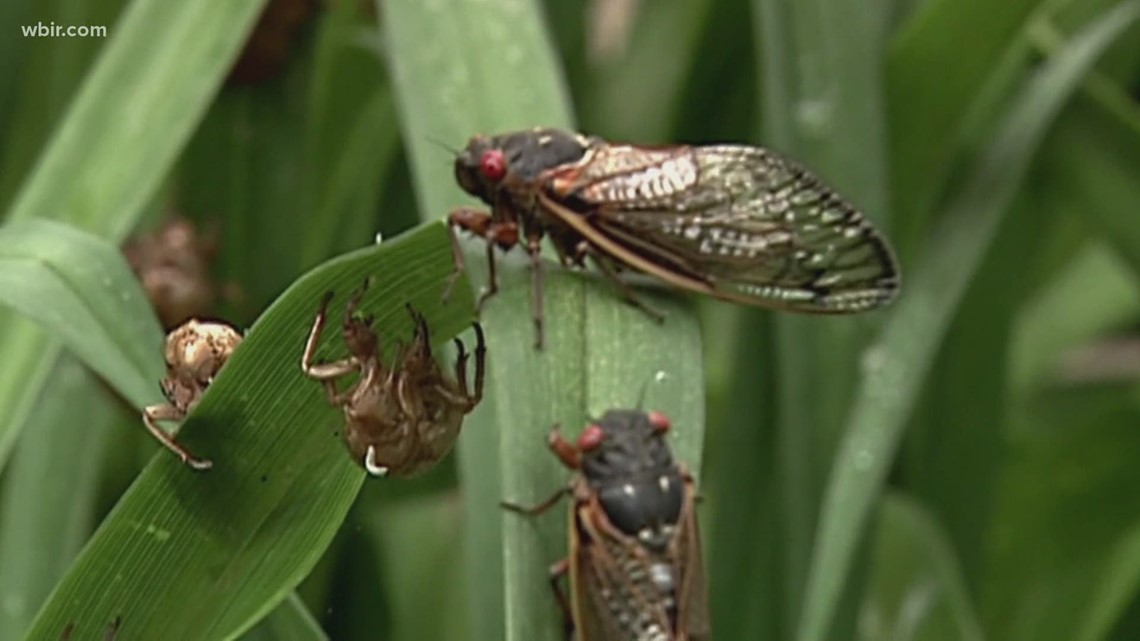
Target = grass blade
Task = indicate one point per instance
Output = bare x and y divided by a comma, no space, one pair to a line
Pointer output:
49,495
81,290
898,365
823,104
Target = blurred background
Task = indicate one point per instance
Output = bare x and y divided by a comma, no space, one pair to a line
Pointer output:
958,466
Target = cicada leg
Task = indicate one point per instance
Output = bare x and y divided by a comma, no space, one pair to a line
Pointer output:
534,510
534,248
623,287
497,233
154,413
474,221
326,373
558,571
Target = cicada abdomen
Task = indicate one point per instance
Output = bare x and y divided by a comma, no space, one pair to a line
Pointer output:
635,557
735,222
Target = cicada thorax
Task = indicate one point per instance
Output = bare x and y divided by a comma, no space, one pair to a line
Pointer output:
635,566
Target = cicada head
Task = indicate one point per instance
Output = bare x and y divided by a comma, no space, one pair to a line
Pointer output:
522,156
626,460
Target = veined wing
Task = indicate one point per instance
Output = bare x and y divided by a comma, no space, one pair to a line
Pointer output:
616,599
692,613
736,222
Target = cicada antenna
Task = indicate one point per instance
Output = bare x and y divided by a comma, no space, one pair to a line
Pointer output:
442,145
657,377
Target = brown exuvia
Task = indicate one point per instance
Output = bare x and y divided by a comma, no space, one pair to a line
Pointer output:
195,352
400,420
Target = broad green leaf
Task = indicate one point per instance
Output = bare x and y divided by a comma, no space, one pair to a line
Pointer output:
207,554
1050,323
929,108
80,289
897,366
420,556
49,496
290,621
1091,162
1071,479
917,591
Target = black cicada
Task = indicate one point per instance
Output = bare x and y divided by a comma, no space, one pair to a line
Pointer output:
635,553
735,222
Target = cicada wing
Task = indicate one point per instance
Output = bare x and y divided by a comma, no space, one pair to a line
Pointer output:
736,222
592,576
693,614
613,599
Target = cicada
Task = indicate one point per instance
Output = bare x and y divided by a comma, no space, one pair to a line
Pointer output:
400,420
195,352
173,264
635,554
735,222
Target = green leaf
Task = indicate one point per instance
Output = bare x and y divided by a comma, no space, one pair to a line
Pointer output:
80,289
208,554
929,110
1073,478
49,494
290,621
1091,162
492,70
897,367
162,65
917,591
1050,324
420,558
824,106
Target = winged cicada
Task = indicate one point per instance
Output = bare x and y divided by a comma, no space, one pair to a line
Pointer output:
635,553
735,222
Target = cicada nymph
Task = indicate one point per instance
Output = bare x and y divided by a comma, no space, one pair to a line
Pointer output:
635,553
400,420
735,222
195,352
172,262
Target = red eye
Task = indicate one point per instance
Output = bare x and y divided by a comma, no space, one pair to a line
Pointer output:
659,421
591,438
493,165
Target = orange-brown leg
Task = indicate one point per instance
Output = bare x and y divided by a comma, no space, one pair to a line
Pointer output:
471,220
533,248
534,510
623,287
154,413
557,572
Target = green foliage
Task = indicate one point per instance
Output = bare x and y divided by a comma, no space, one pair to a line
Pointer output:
958,466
